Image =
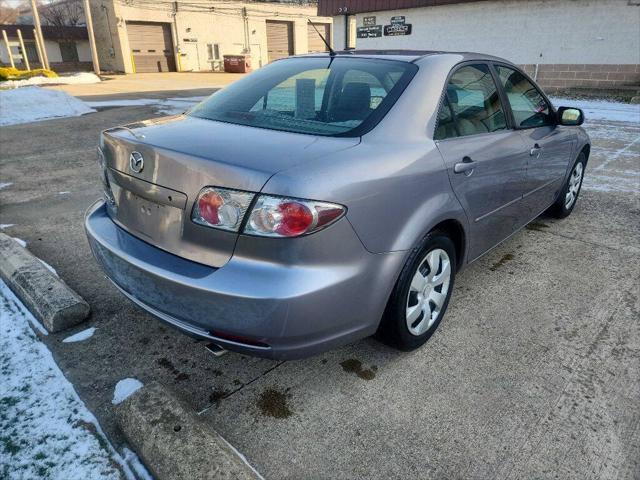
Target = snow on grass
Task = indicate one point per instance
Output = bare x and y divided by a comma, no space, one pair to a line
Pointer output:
602,109
31,104
124,389
75,79
80,336
5,185
46,431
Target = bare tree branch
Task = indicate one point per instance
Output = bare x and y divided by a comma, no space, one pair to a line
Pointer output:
62,13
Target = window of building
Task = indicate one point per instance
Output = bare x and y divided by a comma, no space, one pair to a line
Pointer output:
475,102
32,52
529,107
68,51
213,51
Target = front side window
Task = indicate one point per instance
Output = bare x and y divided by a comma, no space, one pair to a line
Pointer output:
319,96
474,101
529,107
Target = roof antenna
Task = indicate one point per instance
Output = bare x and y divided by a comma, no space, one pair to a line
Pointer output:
331,51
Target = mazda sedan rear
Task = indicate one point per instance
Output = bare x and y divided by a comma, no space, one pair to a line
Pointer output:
325,198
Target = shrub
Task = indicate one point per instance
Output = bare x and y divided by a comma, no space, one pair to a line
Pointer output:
8,73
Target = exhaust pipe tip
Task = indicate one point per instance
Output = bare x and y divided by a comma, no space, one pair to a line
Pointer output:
215,349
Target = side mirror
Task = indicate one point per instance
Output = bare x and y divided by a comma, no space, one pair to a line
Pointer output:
570,116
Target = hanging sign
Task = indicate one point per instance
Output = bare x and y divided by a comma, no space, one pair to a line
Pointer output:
397,27
369,21
369,32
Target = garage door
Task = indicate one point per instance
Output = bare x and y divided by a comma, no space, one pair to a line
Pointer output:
151,46
315,42
279,39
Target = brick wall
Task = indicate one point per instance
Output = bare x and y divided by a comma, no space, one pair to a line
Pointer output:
596,76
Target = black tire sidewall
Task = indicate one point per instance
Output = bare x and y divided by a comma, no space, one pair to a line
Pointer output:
560,208
394,328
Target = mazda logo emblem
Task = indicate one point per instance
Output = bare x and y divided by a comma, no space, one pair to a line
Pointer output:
136,162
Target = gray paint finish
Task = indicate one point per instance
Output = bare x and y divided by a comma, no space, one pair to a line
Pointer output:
303,295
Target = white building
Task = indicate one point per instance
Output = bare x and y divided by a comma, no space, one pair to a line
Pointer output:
67,47
145,36
564,43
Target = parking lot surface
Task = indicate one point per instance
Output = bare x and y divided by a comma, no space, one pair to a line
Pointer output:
534,373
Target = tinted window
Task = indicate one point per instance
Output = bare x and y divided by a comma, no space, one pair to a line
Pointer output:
446,127
475,102
527,104
320,96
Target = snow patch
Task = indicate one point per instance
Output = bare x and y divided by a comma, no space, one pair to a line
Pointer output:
74,79
124,389
48,267
47,431
602,109
136,465
31,104
5,185
80,336
5,225
20,242
64,193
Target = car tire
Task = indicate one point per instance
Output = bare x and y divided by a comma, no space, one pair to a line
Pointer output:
568,197
418,301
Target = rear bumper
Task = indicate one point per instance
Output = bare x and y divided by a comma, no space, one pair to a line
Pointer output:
280,298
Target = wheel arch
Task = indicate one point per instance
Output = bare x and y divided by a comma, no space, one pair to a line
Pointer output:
453,229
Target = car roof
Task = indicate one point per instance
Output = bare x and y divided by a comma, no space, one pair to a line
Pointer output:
405,55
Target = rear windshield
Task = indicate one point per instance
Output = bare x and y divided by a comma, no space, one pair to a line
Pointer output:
319,96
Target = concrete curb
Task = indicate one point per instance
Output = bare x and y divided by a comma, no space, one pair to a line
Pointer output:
174,443
45,295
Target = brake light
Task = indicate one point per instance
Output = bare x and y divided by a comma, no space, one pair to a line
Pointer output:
290,217
221,208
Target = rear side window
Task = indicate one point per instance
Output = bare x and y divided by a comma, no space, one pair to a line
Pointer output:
446,126
475,102
320,96
529,107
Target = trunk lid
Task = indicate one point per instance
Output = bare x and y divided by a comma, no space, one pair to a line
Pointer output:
181,155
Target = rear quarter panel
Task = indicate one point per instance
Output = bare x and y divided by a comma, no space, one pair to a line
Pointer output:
394,193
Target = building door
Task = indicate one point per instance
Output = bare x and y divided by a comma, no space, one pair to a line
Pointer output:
69,52
279,39
315,42
151,47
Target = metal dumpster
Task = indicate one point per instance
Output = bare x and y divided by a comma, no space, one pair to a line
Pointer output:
237,63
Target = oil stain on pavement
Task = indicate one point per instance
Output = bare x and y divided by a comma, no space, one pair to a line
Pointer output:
273,403
355,366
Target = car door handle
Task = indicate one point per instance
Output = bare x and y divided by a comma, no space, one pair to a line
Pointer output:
535,151
466,166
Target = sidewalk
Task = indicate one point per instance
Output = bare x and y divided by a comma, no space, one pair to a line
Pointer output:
153,84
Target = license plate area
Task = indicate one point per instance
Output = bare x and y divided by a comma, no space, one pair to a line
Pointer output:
157,223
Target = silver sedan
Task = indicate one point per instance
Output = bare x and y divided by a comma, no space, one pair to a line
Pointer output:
326,198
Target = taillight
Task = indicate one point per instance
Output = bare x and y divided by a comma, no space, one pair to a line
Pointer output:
290,217
221,208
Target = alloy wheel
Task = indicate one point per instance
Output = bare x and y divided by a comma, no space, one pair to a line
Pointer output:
428,291
574,185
